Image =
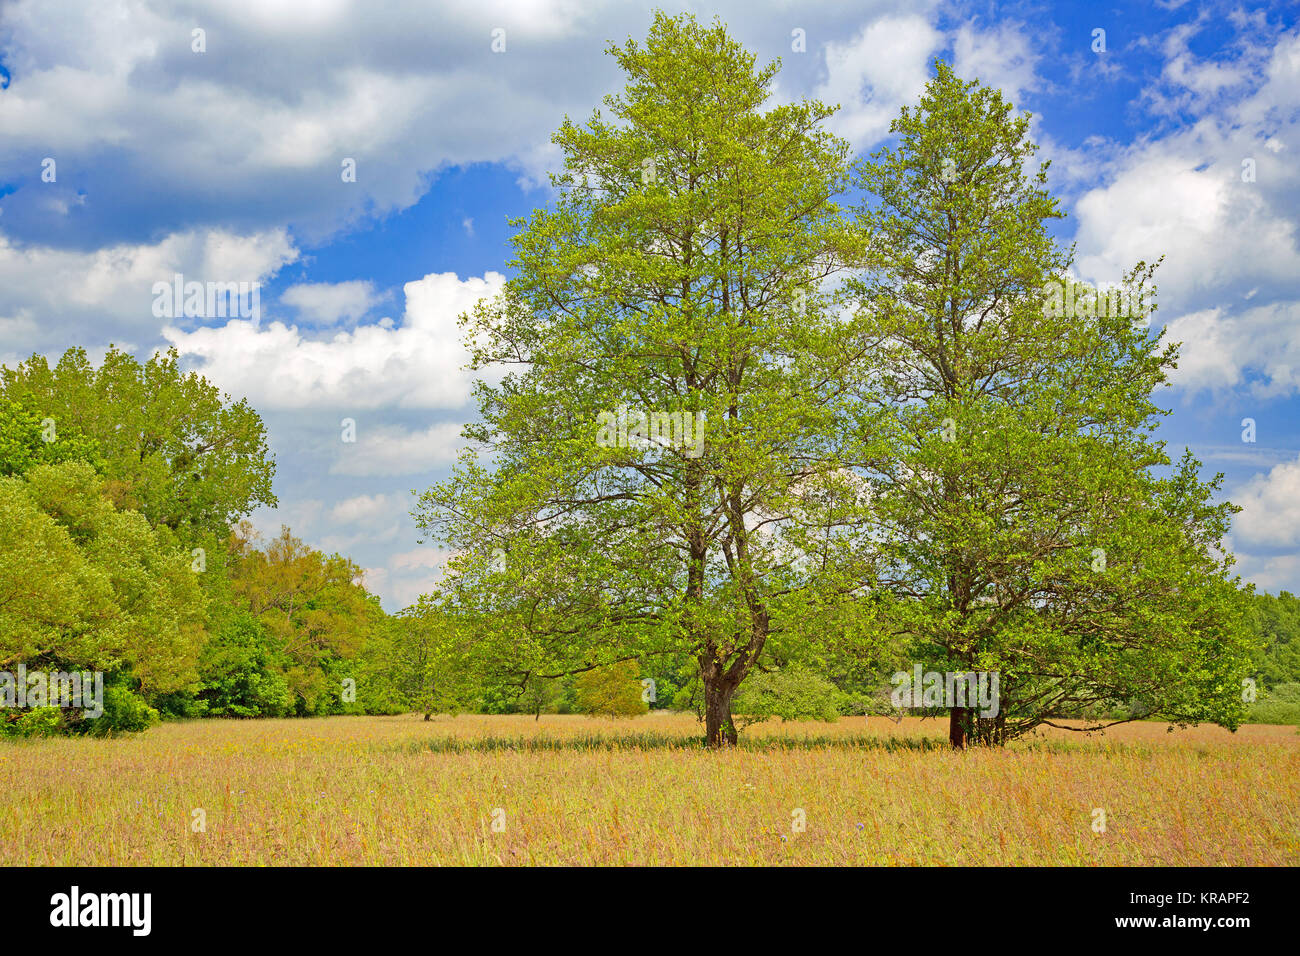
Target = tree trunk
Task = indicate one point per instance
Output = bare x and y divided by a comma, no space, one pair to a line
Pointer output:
719,729
957,728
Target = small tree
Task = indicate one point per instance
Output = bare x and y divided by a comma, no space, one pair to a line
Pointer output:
613,691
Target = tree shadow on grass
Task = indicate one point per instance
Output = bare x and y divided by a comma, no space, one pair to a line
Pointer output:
657,741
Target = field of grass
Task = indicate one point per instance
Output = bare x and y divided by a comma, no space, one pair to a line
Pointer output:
576,790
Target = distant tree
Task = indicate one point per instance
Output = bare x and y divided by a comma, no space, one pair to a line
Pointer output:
613,691
242,672
540,694
1275,622
314,608
428,660
792,693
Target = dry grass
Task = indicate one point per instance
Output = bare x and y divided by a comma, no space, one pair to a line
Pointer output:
397,791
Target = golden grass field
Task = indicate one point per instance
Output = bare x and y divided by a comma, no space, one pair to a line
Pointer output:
577,790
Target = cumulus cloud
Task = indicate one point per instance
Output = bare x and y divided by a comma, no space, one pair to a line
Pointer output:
1000,56
361,508
1271,573
51,296
1270,504
877,71
391,450
1219,198
328,303
407,575
253,130
1221,348
417,364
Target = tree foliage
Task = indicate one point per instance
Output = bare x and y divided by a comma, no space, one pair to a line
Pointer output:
1025,526
313,606
678,274
613,691
173,447
85,585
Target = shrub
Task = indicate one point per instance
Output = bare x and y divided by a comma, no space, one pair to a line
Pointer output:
1278,705
124,712
37,722
791,694
614,691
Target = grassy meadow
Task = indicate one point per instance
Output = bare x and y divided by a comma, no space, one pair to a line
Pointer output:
504,790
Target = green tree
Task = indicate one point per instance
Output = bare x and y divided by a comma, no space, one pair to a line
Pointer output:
27,439
792,693
679,276
1023,525
314,608
241,672
1275,622
172,446
613,691
427,660
85,585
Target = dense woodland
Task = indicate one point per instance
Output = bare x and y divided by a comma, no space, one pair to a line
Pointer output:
937,462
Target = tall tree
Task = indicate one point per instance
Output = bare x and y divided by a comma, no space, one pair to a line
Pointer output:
668,456
1024,522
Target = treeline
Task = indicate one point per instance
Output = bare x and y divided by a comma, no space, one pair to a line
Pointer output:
123,551
439,665
1275,622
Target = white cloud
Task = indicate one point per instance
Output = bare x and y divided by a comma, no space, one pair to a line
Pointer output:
417,364
407,575
1001,57
1270,503
419,558
327,303
361,508
870,76
54,296
1220,347
390,450
1271,573
1215,231
1227,239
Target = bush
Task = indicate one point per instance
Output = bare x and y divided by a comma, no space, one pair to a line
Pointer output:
240,674
37,722
791,694
614,691
1279,705
124,712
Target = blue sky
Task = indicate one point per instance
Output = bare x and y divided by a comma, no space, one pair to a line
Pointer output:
225,165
